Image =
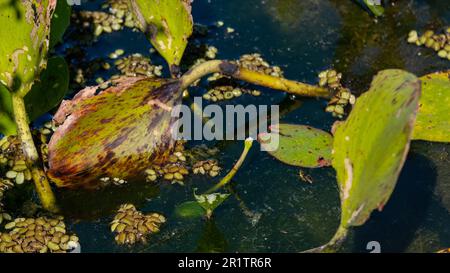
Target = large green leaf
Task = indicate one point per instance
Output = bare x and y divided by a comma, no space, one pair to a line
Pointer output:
370,147
47,93
168,25
433,118
60,22
116,133
24,35
7,125
298,145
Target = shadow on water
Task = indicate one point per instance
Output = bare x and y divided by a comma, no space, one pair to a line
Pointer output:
94,204
395,227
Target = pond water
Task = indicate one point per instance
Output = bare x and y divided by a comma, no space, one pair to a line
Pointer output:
304,38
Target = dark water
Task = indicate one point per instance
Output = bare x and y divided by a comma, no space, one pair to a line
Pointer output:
303,37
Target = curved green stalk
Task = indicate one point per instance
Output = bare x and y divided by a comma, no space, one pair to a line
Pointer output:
231,174
234,71
31,155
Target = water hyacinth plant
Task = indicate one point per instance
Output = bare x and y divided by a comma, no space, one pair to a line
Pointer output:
113,133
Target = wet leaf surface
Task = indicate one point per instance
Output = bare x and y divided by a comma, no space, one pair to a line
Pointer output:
22,58
168,25
299,145
370,147
189,209
49,91
60,22
7,125
118,132
433,118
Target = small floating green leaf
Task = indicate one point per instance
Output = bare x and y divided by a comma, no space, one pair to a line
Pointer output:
209,202
374,6
370,147
298,145
190,209
168,24
433,118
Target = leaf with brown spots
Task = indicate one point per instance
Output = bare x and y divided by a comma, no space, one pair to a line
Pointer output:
115,133
370,147
168,25
298,145
433,119
24,39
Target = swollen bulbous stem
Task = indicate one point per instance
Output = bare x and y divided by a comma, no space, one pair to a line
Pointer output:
31,155
234,71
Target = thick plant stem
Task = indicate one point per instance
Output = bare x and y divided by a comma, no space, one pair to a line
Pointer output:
31,155
234,71
230,175
334,244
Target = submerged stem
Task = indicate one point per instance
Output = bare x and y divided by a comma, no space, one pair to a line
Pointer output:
31,155
234,71
230,175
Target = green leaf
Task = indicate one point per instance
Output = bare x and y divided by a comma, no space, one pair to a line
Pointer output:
298,145
189,209
7,125
370,147
168,24
60,22
376,9
50,90
433,118
24,35
210,202
116,133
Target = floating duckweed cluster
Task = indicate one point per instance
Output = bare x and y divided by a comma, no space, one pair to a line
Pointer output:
138,65
224,88
12,161
342,98
117,17
210,167
40,235
174,172
121,10
438,42
132,226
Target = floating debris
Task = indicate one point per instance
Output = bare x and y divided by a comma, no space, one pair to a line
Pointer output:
40,235
440,43
305,177
343,97
132,226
